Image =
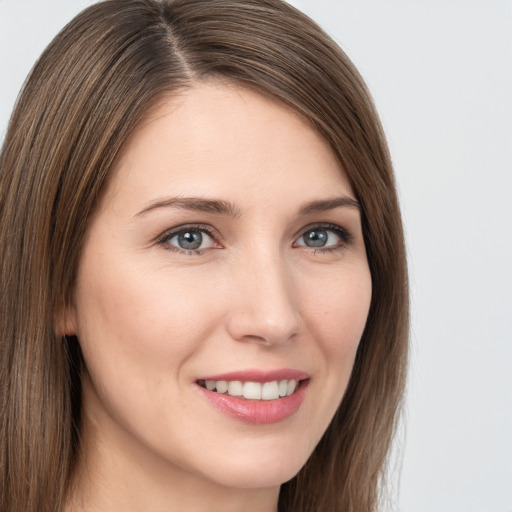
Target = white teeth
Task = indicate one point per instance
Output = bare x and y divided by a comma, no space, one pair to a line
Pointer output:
253,390
270,390
222,386
292,384
235,388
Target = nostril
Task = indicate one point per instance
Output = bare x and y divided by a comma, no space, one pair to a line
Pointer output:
264,327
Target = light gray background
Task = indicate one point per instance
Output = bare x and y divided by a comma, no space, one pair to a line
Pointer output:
441,75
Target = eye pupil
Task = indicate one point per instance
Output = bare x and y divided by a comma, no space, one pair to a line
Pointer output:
316,238
190,240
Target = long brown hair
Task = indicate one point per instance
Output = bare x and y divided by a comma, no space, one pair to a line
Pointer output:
83,99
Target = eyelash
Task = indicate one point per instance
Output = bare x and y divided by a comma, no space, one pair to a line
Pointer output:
163,240
344,235
168,235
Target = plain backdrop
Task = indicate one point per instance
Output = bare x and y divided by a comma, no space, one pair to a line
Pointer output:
441,75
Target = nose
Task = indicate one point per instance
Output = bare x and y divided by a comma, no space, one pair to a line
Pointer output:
263,307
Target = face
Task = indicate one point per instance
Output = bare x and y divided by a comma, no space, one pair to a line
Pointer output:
222,292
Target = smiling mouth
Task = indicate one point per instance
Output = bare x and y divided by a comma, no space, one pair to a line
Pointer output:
272,390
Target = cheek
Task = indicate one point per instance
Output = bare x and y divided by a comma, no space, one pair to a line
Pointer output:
336,317
137,330
149,323
339,309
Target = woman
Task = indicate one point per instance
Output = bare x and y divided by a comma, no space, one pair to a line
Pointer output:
204,284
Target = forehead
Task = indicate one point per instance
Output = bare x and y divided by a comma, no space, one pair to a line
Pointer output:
217,139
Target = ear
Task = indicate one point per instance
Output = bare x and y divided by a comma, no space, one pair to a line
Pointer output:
66,321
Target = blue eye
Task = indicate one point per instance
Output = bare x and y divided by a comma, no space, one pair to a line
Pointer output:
316,237
189,239
193,240
324,237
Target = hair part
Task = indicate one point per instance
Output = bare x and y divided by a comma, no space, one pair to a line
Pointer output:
84,98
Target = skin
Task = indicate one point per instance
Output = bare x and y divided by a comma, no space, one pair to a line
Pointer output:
152,318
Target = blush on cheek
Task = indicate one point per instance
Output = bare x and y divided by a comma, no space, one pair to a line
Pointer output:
342,315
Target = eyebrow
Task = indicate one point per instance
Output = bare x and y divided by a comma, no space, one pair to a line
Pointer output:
221,207
324,205
196,204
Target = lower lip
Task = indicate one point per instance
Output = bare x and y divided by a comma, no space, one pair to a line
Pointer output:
258,412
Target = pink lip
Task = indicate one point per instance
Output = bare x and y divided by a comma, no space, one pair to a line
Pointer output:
258,412
260,375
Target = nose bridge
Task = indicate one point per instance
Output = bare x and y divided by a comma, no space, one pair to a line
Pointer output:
264,306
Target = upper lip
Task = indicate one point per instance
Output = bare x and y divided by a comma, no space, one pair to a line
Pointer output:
256,375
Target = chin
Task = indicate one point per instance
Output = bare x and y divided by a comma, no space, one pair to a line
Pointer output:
259,477
251,469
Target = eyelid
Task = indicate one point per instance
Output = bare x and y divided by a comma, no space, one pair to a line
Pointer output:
344,234
163,239
172,232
